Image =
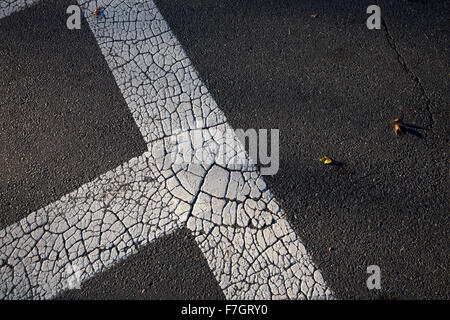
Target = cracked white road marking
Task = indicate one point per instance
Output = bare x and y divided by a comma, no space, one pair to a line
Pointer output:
8,7
238,225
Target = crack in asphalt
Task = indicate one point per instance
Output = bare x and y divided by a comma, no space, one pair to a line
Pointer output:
413,76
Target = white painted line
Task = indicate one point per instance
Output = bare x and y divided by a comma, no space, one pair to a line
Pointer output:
250,247
88,229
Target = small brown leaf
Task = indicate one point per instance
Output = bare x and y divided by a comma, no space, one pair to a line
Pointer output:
96,12
325,160
397,129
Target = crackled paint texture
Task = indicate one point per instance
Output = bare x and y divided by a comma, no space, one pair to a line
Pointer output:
241,230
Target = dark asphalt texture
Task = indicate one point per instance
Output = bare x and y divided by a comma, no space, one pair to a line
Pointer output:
332,87
155,272
63,120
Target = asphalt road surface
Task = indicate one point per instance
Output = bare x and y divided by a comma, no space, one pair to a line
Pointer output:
73,122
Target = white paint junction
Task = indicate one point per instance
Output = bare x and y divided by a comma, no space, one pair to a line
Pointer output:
238,225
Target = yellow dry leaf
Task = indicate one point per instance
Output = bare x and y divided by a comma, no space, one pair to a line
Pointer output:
397,129
325,160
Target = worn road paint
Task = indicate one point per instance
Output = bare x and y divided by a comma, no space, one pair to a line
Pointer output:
240,228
